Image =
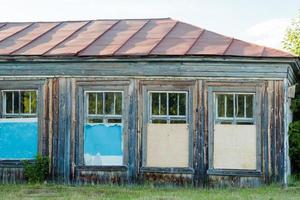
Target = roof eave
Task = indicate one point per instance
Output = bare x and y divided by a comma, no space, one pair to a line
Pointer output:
138,58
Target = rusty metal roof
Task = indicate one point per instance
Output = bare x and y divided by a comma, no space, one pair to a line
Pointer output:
127,37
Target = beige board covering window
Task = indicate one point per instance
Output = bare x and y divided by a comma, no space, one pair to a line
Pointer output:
234,147
167,145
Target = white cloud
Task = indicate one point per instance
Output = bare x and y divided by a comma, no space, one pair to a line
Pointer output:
268,33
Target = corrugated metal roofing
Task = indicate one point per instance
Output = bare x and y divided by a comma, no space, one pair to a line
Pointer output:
127,37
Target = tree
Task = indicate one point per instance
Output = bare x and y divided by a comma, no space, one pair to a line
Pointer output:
292,44
291,40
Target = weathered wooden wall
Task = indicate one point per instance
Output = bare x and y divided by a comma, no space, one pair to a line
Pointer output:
59,119
11,174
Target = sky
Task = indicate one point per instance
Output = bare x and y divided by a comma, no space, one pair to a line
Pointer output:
259,21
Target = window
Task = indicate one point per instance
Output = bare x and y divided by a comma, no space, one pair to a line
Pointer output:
167,129
104,107
168,107
235,135
19,125
234,108
19,103
103,128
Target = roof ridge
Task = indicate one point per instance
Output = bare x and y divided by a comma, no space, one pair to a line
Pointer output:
86,20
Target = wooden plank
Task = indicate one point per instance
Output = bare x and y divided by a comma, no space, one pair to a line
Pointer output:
90,176
140,119
45,116
273,132
63,131
73,128
102,168
281,131
168,179
55,127
132,127
234,181
145,69
286,121
233,172
198,153
12,175
270,91
50,123
265,142
205,132
62,126
172,170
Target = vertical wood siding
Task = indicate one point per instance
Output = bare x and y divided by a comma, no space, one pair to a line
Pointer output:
60,141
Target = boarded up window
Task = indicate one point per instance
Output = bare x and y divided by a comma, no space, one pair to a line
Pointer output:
234,147
19,127
167,130
234,142
167,145
103,128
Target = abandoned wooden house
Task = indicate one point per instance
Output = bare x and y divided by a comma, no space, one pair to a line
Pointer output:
143,100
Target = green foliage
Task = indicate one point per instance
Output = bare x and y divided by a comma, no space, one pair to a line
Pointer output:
292,43
292,38
37,171
294,141
294,133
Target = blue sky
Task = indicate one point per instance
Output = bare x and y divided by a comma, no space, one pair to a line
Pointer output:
258,21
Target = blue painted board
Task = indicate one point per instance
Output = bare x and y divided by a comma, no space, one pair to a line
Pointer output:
18,140
103,139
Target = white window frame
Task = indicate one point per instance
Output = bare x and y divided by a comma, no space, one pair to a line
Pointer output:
19,115
103,116
234,119
168,118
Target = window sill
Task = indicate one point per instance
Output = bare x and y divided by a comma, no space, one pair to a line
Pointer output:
101,168
14,163
234,172
169,170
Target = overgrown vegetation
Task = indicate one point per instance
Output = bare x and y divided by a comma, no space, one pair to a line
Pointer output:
45,191
292,44
37,171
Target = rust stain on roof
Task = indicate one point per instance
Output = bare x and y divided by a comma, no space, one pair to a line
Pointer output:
128,37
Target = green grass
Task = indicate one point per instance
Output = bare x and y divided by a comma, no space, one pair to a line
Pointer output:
47,191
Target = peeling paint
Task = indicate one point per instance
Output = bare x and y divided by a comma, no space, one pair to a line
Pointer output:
103,144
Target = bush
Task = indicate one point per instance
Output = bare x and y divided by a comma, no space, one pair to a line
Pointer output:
294,134
37,171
